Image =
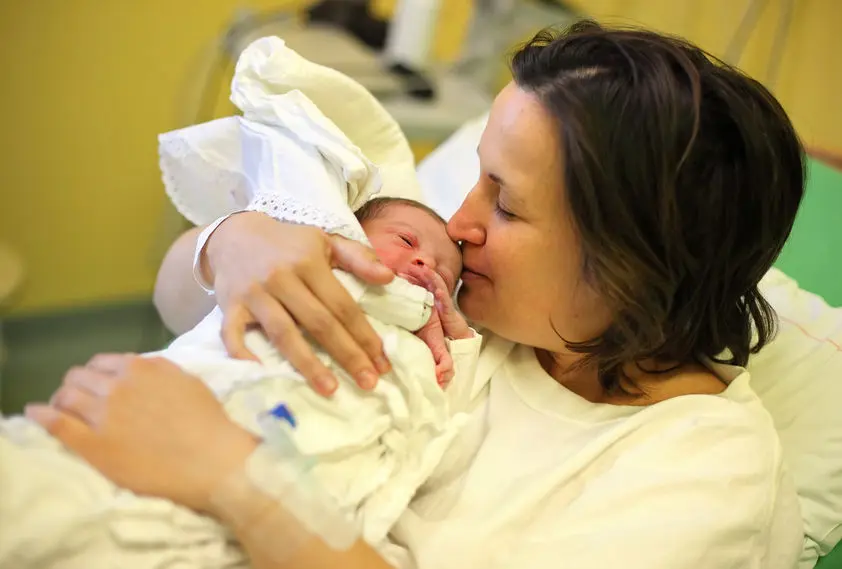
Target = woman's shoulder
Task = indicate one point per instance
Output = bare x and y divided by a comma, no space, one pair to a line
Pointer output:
732,417
727,382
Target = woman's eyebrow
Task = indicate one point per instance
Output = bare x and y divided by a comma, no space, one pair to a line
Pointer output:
494,177
497,179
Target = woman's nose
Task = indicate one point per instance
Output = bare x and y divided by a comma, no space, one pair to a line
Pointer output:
466,224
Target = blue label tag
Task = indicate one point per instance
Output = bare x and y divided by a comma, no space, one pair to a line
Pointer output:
281,411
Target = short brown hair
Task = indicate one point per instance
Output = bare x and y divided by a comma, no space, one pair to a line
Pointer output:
683,177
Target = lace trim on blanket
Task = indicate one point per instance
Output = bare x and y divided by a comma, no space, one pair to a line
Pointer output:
285,208
199,191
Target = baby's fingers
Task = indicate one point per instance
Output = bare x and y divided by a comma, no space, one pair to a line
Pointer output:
452,321
444,371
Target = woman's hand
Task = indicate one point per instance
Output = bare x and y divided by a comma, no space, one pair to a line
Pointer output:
147,426
278,276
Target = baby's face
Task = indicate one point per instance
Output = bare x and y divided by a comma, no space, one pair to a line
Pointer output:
404,236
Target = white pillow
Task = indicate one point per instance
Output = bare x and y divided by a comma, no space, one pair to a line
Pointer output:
799,379
449,172
798,376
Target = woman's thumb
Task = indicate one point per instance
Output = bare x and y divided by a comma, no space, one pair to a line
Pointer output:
359,260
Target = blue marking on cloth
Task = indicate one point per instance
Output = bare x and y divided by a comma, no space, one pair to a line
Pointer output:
281,411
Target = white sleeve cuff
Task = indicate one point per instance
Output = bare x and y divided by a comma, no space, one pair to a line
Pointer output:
467,346
465,354
200,246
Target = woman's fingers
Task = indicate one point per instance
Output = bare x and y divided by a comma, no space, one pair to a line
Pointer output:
310,311
362,262
149,434
70,430
359,260
365,349
113,364
80,403
235,321
92,379
285,335
285,281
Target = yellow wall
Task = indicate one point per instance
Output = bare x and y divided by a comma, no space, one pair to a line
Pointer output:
809,84
87,86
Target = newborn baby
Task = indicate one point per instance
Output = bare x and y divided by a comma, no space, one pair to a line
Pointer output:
367,452
410,239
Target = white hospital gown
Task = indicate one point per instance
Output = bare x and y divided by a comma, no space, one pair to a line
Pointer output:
370,450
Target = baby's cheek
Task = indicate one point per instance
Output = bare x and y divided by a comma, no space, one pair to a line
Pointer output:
391,257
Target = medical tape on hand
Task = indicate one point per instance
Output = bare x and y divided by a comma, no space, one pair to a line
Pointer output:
270,532
286,476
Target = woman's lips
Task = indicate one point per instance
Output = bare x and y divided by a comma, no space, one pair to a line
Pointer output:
469,275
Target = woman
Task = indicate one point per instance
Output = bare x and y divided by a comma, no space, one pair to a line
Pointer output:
632,194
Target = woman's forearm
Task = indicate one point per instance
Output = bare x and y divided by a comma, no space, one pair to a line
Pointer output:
180,301
274,539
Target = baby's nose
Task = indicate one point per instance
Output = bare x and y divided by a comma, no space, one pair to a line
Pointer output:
422,261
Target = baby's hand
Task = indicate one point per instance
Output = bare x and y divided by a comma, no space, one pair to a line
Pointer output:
432,334
453,324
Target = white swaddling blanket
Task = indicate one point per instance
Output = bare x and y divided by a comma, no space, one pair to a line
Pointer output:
372,450
203,166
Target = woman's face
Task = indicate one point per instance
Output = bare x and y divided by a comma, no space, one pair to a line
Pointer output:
522,262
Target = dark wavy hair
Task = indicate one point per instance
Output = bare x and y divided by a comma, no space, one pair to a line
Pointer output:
683,177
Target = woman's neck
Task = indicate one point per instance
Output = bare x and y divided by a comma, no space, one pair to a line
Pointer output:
637,387
581,380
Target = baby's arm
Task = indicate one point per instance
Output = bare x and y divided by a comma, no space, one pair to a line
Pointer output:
445,324
432,333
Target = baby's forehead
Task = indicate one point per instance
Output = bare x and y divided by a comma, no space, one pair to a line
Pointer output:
419,219
405,208
411,214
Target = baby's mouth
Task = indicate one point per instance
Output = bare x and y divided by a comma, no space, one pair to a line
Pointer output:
413,279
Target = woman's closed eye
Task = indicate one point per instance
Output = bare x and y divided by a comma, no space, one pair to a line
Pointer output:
503,212
499,207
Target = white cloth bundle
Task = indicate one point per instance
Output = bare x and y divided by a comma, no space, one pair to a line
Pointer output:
207,174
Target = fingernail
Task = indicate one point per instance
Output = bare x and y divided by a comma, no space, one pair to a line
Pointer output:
38,412
327,383
382,364
367,379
